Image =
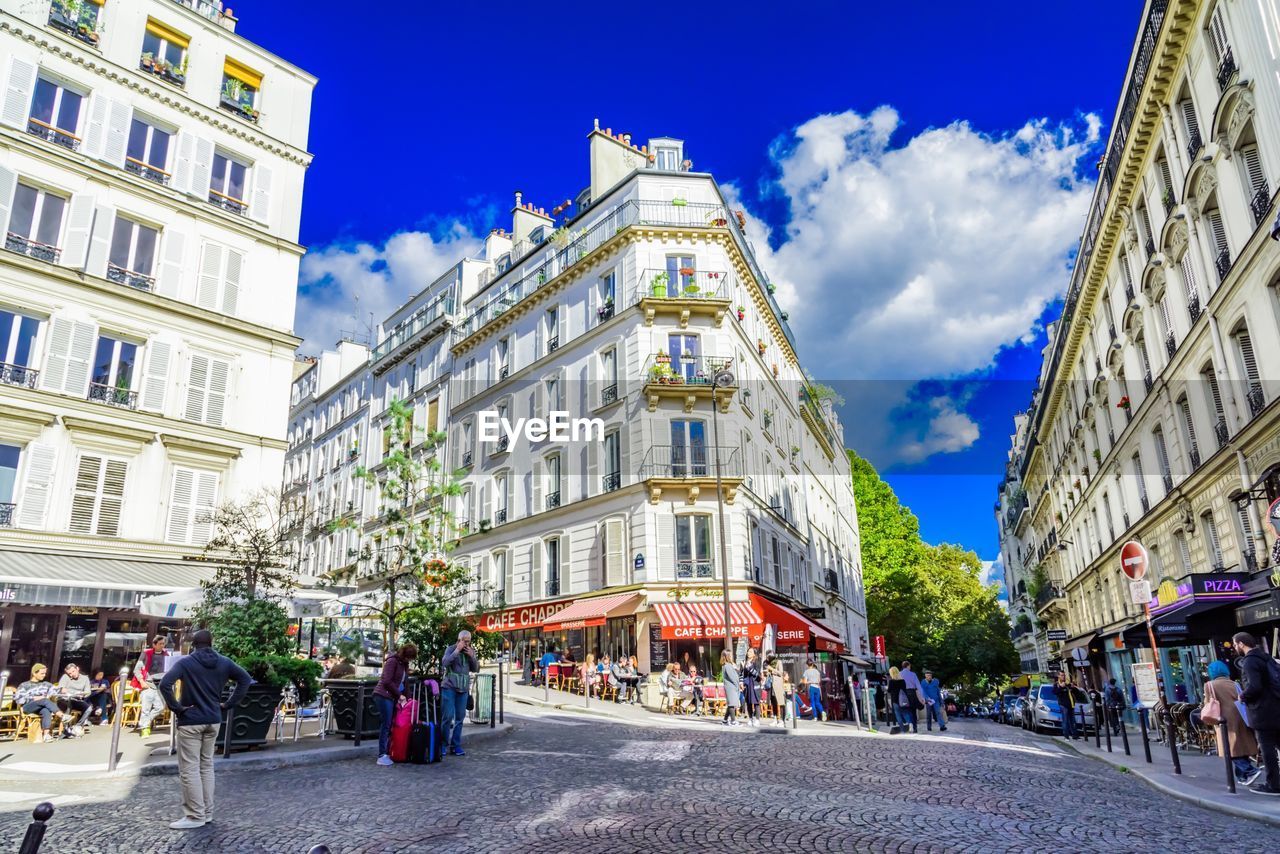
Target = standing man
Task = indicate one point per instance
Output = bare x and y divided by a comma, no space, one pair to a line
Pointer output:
458,664
1260,676
915,693
1067,704
813,678
932,690
147,674
204,674
1114,698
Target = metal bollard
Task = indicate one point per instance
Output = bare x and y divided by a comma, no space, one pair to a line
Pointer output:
1173,741
493,704
1124,734
117,720
1146,741
320,849
1226,756
35,831
1105,719
227,733
359,712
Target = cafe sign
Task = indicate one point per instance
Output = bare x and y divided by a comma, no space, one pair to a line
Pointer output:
1198,587
527,617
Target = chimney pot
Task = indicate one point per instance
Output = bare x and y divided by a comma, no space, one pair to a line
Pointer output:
596,122
608,131
519,196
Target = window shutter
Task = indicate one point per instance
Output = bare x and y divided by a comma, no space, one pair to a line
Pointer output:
566,580
104,221
156,377
615,553
1189,276
1211,539
169,280
666,568
18,91
197,387
1253,168
537,488
1188,423
219,382
37,489
260,202
1164,316
1216,230
183,161
1246,528
181,499
8,186
112,502
201,168
95,128
1215,394
1166,175
1184,552
231,282
1217,35
1189,122
211,263
537,590
1247,360
70,351
75,247
84,500
119,118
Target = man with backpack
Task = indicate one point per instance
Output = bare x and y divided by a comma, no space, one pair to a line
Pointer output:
1260,678
1113,697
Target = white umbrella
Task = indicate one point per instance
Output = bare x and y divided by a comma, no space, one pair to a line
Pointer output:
179,604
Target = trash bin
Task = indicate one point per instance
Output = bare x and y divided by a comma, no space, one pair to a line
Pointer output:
482,685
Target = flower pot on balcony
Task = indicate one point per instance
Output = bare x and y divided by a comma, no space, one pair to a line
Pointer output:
658,287
742,314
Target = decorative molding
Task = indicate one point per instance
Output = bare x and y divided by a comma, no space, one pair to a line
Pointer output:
108,437
197,452
25,425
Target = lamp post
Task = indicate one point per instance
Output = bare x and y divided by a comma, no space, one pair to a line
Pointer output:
721,379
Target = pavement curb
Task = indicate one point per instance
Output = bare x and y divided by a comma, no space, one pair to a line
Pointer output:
1220,804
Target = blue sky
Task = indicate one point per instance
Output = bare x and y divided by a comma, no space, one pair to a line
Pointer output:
924,163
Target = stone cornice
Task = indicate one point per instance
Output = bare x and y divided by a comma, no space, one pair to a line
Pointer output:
201,452
106,435
25,425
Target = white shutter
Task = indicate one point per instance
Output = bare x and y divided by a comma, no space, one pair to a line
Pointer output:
219,381
70,351
260,200
536,502
594,484
169,279
1189,276
17,95
183,161
1189,121
37,489
119,117
1216,230
666,548
95,128
566,581
1217,35
615,553
1247,360
201,168
111,502
79,225
231,281
8,186
84,499
211,264
1252,162
197,387
537,590
104,220
156,377
181,498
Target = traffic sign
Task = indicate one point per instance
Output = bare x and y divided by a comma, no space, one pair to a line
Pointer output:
1080,654
1140,592
1133,560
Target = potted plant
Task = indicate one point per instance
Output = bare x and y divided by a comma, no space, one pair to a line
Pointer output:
795,449
761,346
1097,455
770,288
606,309
742,314
766,418
148,61
690,289
785,317
1124,403
484,525
679,203
658,287
662,358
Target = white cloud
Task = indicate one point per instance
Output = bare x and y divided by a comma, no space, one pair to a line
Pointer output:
342,284
949,430
993,575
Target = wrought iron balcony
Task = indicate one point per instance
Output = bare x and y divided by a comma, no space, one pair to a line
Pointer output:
1195,457
1150,246
696,461
609,394
611,481
228,203
466,459
113,396
35,127
501,445
1170,344
1145,502
1048,594
1194,144
1226,69
1255,399
553,587
78,20
500,516
1221,432
1193,307
18,375
1146,380
31,248
1111,437
1127,523
1260,204
695,569
604,312
1097,366
146,170
1222,263
1128,291
831,580
121,276
1111,330
1167,480
553,500
553,344
1170,201
7,511
504,372
1250,560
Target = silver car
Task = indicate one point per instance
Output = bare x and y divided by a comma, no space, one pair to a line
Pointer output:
1043,710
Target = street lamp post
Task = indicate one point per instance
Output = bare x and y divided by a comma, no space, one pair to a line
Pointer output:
721,378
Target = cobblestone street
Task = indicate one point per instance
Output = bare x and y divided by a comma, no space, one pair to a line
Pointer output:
565,784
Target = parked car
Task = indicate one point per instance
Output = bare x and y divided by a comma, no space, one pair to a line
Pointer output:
1010,713
371,640
1044,710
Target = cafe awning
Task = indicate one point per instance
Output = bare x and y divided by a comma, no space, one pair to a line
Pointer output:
592,612
703,620
1083,641
44,578
792,629
856,661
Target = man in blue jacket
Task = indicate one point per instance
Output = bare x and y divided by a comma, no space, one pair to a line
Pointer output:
458,664
932,690
204,674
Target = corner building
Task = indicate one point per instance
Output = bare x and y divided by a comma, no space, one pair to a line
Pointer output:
1156,417
151,172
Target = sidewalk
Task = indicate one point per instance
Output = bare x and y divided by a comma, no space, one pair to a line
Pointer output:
1203,779
86,758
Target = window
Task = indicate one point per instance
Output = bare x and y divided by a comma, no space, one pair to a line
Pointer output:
693,547
1166,182
681,275
1214,398
79,20
608,376
55,113
553,481
501,578
552,321
227,184
1141,480
1144,229
18,337
1244,530
191,503
164,53
133,254
1157,567
1255,181
35,224
614,548
1189,431
1218,237
606,294
667,159
551,562
1189,285
218,286
1162,458
688,448
553,395
98,496
684,350
612,461
113,368
240,85
433,415
1249,371
777,565
147,152
1216,31
504,358
9,455
1190,126
500,491
1211,542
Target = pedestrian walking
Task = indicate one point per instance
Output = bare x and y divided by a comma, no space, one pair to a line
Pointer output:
751,677
812,678
900,703
1066,703
914,694
388,695
458,664
776,688
147,674
1220,696
1260,678
931,688
197,715
1113,697
732,688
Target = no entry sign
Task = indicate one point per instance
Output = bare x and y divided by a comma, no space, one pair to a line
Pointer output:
1133,560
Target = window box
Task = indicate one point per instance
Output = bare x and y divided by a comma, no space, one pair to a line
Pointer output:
239,97
76,18
164,70
228,203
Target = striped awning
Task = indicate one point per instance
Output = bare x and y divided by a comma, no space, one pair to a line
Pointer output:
592,612
702,620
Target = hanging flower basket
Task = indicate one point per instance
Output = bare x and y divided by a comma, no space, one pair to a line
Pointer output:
686,271
1124,403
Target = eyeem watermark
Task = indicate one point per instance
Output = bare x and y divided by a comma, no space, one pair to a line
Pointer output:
559,427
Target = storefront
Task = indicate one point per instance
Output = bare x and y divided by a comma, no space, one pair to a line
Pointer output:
521,629
596,626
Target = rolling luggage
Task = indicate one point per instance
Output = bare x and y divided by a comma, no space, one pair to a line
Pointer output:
426,739
402,730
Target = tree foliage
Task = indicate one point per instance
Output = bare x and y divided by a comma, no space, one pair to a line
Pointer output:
927,601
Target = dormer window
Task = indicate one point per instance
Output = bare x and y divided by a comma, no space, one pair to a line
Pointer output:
667,159
538,235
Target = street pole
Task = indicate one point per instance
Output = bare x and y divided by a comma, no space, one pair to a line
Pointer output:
114,758
724,549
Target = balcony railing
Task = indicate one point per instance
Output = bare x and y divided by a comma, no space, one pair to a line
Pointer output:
146,170
686,283
31,248
244,111
1221,432
228,203
611,481
113,396
1194,144
7,511
1222,263
1226,69
500,516
831,580
78,20
686,370
466,459
605,311
35,127
1147,382
1047,594
609,394
1145,502
553,344
18,375
1170,344
1260,204
411,328
695,569
1255,399
553,587
1128,291
1193,307
162,69
553,500
696,461
1167,479
1170,201
1195,458
121,276
1111,330
211,9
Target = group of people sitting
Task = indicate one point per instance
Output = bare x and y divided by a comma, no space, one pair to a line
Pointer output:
602,677
75,698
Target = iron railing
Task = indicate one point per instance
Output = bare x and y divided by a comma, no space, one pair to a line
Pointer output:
228,203
1193,307
1254,397
145,170
687,283
609,394
18,375
553,500
113,396
121,276
695,569
604,312
57,136
1147,382
1170,201
500,516
690,461
1195,457
244,111
1128,291
1145,502
8,511
1226,69
466,459
31,248
1150,247
831,580
1260,204
553,586
1170,344
1167,479
611,481
1221,432
1194,144
420,322
1047,594
688,369
1222,263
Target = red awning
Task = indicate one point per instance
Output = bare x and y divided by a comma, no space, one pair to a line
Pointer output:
704,620
591,612
793,629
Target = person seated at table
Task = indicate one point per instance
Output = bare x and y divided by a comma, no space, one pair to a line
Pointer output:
604,675
33,698
636,677
548,658
694,686
667,685
73,696
100,698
